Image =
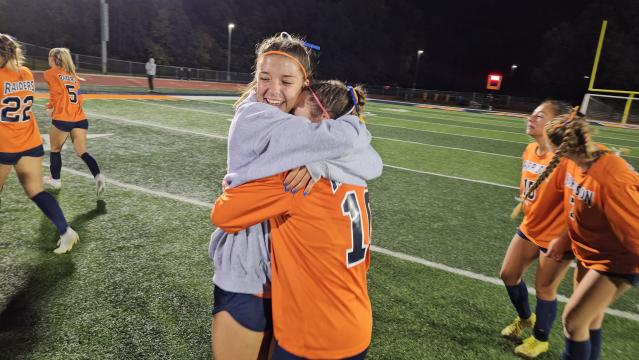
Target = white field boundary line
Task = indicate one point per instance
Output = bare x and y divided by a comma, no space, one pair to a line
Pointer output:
180,108
368,123
141,123
484,278
477,128
446,147
394,126
398,255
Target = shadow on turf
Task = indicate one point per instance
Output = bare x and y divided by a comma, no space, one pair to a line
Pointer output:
18,321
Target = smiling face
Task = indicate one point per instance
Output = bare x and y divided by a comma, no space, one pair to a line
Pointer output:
538,119
279,81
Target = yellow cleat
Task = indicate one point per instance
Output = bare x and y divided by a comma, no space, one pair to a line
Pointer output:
66,242
514,330
531,348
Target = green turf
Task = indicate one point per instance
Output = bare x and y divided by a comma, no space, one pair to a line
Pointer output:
139,283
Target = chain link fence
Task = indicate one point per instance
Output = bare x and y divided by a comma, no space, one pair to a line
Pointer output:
37,59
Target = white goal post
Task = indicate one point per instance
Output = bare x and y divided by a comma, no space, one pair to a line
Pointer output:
611,108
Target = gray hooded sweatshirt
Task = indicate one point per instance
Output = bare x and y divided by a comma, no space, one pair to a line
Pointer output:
264,141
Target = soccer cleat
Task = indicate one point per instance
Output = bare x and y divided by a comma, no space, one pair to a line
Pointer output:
514,330
67,240
100,186
51,182
531,348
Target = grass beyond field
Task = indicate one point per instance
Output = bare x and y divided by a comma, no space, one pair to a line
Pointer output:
138,285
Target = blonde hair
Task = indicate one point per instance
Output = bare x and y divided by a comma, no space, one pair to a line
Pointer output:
336,98
62,59
291,45
10,53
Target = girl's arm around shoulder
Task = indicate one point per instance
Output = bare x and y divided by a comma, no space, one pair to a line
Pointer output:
251,203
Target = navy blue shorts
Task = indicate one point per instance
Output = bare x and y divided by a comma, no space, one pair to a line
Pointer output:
567,256
252,312
13,158
633,279
67,126
280,354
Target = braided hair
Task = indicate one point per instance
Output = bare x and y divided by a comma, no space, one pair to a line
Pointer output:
10,53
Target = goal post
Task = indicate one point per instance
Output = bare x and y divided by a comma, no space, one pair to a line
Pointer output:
611,108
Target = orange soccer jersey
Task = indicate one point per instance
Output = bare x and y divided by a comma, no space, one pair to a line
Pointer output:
603,214
18,128
543,209
64,95
319,259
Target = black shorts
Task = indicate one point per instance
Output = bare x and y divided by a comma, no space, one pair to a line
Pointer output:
13,158
633,279
568,255
280,354
67,126
252,312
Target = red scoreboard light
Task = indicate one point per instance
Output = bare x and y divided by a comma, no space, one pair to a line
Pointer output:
494,82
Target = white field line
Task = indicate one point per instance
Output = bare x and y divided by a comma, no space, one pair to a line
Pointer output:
141,123
469,119
181,108
402,256
501,131
446,147
452,177
484,278
368,123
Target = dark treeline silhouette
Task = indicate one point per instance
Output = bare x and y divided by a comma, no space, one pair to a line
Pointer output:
367,41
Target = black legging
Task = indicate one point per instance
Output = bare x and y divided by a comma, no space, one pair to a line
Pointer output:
151,81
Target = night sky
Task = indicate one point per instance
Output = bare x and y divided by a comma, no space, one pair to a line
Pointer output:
373,42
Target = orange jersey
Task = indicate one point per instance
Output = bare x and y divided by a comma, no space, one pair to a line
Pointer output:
543,209
64,95
603,214
18,128
319,260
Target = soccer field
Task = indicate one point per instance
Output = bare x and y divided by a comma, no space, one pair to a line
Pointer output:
138,285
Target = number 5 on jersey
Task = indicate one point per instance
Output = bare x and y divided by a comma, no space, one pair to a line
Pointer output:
350,207
73,93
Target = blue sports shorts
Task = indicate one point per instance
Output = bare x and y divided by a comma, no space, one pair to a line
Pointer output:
67,126
567,256
13,158
252,312
633,279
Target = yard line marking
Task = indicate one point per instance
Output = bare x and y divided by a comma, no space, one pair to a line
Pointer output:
446,147
452,177
391,253
501,131
484,278
182,108
368,123
137,188
142,123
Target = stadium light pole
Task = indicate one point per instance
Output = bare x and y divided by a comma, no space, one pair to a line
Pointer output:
419,54
228,62
513,67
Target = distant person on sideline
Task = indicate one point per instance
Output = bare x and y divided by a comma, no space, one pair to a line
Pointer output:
150,72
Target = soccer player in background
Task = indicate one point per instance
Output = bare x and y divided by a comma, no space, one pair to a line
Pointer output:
20,141
601,200
67,118
542,225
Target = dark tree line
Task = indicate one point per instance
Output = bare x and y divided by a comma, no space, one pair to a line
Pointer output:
368,41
